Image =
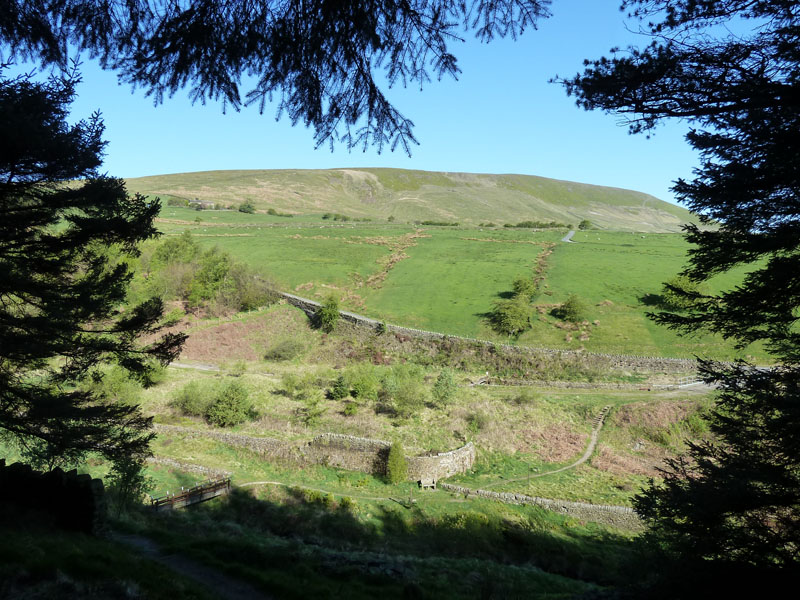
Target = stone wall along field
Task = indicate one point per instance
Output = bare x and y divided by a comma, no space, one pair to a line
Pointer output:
617,516
654,363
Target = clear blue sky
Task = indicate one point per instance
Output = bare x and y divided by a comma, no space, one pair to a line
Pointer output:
501,116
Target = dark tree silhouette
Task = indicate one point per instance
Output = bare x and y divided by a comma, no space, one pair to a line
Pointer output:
324,61
64,233
732,69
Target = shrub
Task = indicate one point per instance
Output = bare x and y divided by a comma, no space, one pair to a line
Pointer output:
296,386
350,409
525,397
312,410
364,382
445,387
284,350
510,317
339,390
679,293
127,483
585,224
247,207
173,201
477,422
328,314
117,385
396,465
573,310
192,399
524,287
230,406
403,389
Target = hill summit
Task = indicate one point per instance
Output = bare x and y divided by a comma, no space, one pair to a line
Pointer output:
406,195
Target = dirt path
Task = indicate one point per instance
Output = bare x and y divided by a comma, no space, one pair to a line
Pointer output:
568,237
598,424
217,584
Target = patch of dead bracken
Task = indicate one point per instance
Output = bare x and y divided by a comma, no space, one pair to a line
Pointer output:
238,340
606,459
652,414
554,443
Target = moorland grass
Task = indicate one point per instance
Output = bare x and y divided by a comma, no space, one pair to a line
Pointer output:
448,280
410,195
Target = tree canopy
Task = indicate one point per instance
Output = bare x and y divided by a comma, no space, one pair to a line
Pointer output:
327,63
730,68
65,231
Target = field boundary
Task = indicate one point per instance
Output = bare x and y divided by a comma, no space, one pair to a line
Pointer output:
610,514
618,516
342,451
310,307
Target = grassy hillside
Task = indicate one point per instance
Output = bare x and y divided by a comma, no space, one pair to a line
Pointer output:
446,279
406,195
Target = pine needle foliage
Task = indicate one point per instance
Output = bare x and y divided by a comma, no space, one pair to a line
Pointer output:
63,284
396,465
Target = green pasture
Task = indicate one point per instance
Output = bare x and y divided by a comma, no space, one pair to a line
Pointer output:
448,280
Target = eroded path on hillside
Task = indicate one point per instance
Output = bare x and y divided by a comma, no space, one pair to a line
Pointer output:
598,424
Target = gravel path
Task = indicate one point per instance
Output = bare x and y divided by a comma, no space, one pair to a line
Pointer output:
568,237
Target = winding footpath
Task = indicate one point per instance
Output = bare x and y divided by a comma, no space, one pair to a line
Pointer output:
598,424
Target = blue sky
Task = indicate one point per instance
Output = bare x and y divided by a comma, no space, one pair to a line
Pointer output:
501,116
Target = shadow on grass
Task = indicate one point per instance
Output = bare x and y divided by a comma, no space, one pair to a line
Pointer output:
653,300
386,549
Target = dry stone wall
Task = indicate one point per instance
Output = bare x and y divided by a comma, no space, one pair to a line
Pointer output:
624,361
441,465
75,502
349,452
340,451
618,516
260,445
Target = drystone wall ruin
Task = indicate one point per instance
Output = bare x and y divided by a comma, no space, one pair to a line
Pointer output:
341,451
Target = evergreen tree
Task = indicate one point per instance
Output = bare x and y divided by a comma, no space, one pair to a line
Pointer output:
64,234
731,507
327,316
324,61
396,464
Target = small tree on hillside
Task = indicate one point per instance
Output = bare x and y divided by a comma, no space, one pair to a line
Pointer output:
247,207
510,317
340,389
396,465
573,310
585,224
682,293
128,483
524,287
445,387
230,406
328,314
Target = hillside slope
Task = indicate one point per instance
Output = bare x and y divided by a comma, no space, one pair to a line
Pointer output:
406,195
